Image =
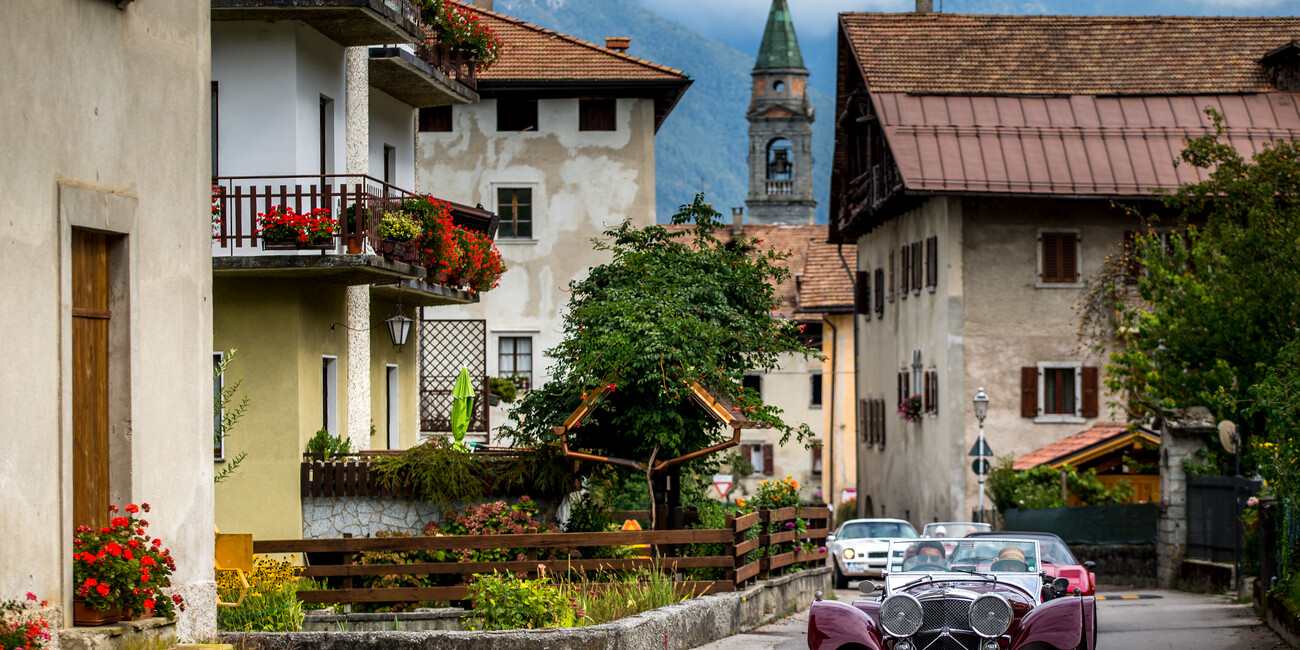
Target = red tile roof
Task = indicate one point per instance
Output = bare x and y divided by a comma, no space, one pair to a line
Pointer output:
1065,55
1100,433
827,283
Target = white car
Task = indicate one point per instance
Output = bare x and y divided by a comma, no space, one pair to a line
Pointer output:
861,547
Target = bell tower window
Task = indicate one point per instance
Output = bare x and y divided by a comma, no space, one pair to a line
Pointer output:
778,86
780,165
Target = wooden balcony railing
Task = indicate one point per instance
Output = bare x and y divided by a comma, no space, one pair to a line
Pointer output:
461,65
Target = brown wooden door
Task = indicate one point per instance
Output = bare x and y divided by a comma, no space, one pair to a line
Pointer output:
90,318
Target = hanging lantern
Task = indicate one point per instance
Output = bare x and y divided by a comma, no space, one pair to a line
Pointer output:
399,328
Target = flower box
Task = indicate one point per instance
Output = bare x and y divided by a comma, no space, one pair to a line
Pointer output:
84,615
399,250
295,245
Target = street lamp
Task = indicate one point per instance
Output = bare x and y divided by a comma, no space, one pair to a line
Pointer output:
981,402
399,328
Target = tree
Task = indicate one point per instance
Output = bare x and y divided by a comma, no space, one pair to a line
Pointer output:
1220,294
225,414
670,307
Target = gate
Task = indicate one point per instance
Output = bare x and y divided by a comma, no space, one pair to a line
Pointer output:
446,346
1212,512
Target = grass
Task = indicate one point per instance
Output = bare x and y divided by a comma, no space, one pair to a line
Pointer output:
613,596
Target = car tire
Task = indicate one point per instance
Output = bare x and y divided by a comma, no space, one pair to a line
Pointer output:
841,582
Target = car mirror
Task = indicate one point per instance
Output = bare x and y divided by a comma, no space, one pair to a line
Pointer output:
1060,586
1090,565
867,587
830,537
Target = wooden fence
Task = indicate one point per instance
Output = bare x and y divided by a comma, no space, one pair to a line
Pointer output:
747,554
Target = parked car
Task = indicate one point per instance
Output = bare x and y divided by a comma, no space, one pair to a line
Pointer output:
954,528
989,594
1058,561
859,547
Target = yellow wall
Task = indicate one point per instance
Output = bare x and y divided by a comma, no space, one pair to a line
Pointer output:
839,426
382,353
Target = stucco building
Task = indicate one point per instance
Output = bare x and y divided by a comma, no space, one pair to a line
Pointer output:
978,162
107,290
315,108
561,146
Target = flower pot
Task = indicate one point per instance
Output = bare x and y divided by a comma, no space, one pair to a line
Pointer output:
130,614
295,245
354,245
494,399
85,616
401,251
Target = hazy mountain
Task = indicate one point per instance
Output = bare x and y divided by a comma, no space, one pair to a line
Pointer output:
704,142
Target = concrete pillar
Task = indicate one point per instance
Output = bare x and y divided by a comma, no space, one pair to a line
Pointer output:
356,68
1182,437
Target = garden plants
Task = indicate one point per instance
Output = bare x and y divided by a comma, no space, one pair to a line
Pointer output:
325,445
271,603
283,225
398,227
121,566
458,27
20,627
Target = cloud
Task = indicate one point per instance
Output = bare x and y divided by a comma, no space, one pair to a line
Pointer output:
728,19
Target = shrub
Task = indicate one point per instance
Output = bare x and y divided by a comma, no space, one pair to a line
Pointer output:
443,475
398,227
846,511
271,603
1040,487
503,388
502,602
325,445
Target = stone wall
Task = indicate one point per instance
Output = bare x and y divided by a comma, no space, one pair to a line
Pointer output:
331,517
1130,566
1183,436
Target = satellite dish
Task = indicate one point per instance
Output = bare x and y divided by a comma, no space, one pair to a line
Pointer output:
1228,436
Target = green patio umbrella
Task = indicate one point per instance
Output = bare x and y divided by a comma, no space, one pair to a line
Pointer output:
462,404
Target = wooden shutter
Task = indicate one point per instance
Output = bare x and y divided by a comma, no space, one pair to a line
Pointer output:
934,391
932,262
864,433
902,389
1088,377
436,119
767,459
906,270
891,275
1069,258
862,294
880,293
1029,392
90,322
925,392
817,459
880,435
916,266
1060,257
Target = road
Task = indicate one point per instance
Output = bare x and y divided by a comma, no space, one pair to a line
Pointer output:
1161,619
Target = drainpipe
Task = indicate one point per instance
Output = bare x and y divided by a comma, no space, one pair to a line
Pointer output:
830,437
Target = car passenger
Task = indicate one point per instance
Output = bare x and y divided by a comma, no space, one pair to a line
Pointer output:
1010,558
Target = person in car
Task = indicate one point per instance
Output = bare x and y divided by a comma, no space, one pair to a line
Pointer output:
1010,558
931,553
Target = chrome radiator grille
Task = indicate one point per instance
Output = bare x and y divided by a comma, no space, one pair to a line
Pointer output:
950,613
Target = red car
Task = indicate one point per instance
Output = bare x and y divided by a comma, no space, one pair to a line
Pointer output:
1058,561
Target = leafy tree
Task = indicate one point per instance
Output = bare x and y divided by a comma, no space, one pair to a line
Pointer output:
225,414
1040,487
1220,294
670,307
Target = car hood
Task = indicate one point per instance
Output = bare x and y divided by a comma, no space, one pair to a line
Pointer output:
1021,602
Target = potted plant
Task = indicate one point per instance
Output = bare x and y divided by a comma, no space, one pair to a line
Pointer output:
120,571
500,389
325,446
396,231
353,235
456,27
285,229
910,409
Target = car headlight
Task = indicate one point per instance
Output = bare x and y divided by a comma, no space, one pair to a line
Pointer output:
848,554
900,615
990,616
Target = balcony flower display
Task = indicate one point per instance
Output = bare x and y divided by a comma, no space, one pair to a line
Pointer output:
454,256
910,409
458,27
399,226
120,567
282,225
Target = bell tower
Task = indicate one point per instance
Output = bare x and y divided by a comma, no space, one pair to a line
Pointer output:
780,128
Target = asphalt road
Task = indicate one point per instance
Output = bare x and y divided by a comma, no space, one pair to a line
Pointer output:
1162,619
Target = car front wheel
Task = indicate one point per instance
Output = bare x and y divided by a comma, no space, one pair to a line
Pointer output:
841,582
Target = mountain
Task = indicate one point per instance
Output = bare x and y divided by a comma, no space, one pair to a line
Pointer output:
704,142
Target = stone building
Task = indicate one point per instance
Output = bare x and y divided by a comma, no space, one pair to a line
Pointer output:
980,164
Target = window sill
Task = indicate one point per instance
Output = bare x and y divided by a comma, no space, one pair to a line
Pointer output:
932,289
815,406
516,241
1058,285
1059,419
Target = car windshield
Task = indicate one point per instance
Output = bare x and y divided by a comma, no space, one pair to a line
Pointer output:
953,529
876,529
1055,551
985,555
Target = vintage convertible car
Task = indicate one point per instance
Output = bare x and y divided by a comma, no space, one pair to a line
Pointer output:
1058,561
858,547
990,593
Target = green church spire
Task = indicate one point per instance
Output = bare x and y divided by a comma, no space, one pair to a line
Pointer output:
780,48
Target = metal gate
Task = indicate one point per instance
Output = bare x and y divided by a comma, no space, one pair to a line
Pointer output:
1212,512
446,346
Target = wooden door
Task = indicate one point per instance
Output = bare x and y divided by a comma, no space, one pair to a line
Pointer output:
90,320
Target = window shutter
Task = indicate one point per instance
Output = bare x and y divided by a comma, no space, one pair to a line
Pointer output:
932,255
891,275
925,393
767,459
934,391
1029,392
907,385
863,431
1089,380
916,266
880,439
1051,257
1069,257
904,253
817,460
862,295
901,375
880,293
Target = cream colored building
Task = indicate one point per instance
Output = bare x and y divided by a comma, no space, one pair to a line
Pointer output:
561,147
107,291
983,197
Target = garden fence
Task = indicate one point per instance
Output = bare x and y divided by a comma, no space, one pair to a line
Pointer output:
750,548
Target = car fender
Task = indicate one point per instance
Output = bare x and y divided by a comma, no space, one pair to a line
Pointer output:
1060,623
832,624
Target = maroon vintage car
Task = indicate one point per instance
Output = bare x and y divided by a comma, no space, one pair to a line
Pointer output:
988,593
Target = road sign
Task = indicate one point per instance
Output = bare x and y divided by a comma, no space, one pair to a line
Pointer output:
975,449
722,483
848,493
975,466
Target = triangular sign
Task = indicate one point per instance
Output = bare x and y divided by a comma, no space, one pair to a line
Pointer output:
975,449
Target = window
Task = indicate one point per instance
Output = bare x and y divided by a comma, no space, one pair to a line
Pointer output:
753,381
932,263
916,266
515,356
905,269
871,421
880,293
329,390
817,457
390,164
597,114
816,384
1058,258
515,205
435,119
891,276
862,293
1058,392
811,336
218,385
326,144
759,455
516,114
930,394
394,406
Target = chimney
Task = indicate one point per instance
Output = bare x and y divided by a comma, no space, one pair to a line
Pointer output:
483,4
924,6
737,221
618,43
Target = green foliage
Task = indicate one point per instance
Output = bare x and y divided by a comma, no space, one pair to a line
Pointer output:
503,388
271,603
846,511
619,595
712,515
325,445
587,515
443,475
1040,487
225,414
1220,295
669,308
399,226
1277,398
502,602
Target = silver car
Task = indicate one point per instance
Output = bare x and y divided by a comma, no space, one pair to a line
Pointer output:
860,547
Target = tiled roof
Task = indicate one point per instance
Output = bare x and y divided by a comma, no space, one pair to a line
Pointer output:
827,284
1100,434
1065,55
532,53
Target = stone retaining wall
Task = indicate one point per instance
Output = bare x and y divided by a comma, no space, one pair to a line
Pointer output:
1129,566
1276,614
676,627
363,516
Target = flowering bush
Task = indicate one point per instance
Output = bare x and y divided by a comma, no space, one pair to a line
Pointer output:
120,565
398,227
216,209
454,256
459,27
271,603
910,409
283,224
21,629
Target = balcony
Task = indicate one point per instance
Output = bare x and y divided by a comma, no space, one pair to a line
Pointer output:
780,188
346,22
426,77
354,256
